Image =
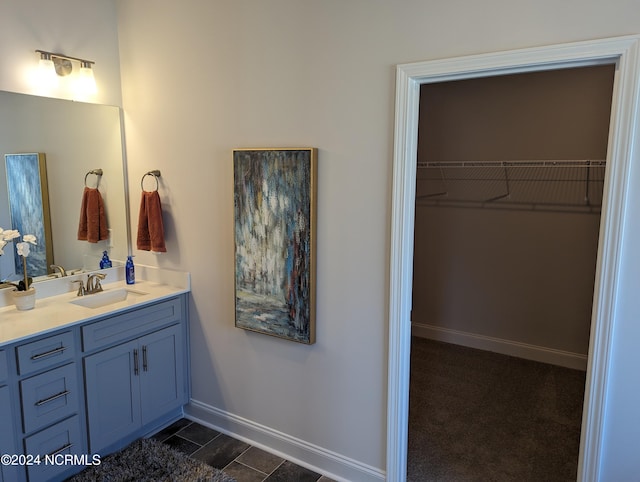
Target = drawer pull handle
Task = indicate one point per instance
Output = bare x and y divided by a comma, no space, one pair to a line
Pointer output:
49,353
52,398
145,366
61,449
135,361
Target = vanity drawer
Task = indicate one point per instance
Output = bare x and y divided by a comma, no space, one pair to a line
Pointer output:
49,397
4,367
130,325
45,353
56,442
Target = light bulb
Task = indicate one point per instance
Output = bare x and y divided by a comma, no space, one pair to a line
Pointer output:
86,80
47,76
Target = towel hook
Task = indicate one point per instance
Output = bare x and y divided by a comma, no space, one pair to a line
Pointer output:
155,173
97,172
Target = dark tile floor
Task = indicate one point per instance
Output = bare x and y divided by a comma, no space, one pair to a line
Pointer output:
238,459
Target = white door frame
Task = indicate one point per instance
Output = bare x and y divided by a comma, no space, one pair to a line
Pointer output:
625,53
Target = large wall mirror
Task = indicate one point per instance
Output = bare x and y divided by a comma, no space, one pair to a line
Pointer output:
75,138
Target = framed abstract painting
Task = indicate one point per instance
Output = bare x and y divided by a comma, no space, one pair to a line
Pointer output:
275,197
28,195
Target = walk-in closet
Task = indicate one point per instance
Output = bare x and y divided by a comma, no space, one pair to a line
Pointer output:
509,191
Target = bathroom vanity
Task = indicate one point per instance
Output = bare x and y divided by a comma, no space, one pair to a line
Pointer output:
86,379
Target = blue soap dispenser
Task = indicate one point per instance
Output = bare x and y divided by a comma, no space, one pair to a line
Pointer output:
130,271
105,262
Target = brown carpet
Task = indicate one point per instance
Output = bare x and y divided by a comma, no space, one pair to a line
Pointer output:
481,416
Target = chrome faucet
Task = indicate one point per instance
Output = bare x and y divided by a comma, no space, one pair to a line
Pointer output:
59,269
93,283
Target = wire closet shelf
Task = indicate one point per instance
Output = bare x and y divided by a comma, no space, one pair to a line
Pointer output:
559,185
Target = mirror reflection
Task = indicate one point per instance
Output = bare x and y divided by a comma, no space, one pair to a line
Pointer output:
75,138
28,196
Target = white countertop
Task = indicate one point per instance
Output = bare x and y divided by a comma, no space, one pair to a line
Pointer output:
54,309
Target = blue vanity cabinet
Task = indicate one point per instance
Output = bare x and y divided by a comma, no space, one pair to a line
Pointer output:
91,388
51,404
7,445
7,433
136,380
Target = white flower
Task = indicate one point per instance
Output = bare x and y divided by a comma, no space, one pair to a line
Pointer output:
9,234
29,238
23,249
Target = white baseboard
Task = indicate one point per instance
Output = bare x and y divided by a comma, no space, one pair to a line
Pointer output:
506,347
322,461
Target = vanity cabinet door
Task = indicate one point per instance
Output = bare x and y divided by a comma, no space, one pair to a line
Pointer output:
162,373
4,367
133,384
7,445
113,394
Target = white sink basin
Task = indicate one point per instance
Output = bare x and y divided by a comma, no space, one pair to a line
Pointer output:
107,297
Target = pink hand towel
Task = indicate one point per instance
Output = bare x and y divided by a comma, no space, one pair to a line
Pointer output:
150,227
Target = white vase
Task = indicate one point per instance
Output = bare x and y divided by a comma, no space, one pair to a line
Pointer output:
24,300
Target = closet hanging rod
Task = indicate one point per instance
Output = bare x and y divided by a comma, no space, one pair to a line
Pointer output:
525,163
513,206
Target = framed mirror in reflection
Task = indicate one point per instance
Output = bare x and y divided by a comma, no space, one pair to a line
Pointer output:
77,138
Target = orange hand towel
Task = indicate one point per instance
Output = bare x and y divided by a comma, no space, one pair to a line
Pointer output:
93,221
150,227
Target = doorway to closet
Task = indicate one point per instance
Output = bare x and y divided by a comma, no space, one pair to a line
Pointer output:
624,53
509,182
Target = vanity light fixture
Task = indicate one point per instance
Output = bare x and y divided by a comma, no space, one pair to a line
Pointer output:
53,65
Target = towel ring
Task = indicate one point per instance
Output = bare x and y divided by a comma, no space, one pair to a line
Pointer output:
155,173
97,172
